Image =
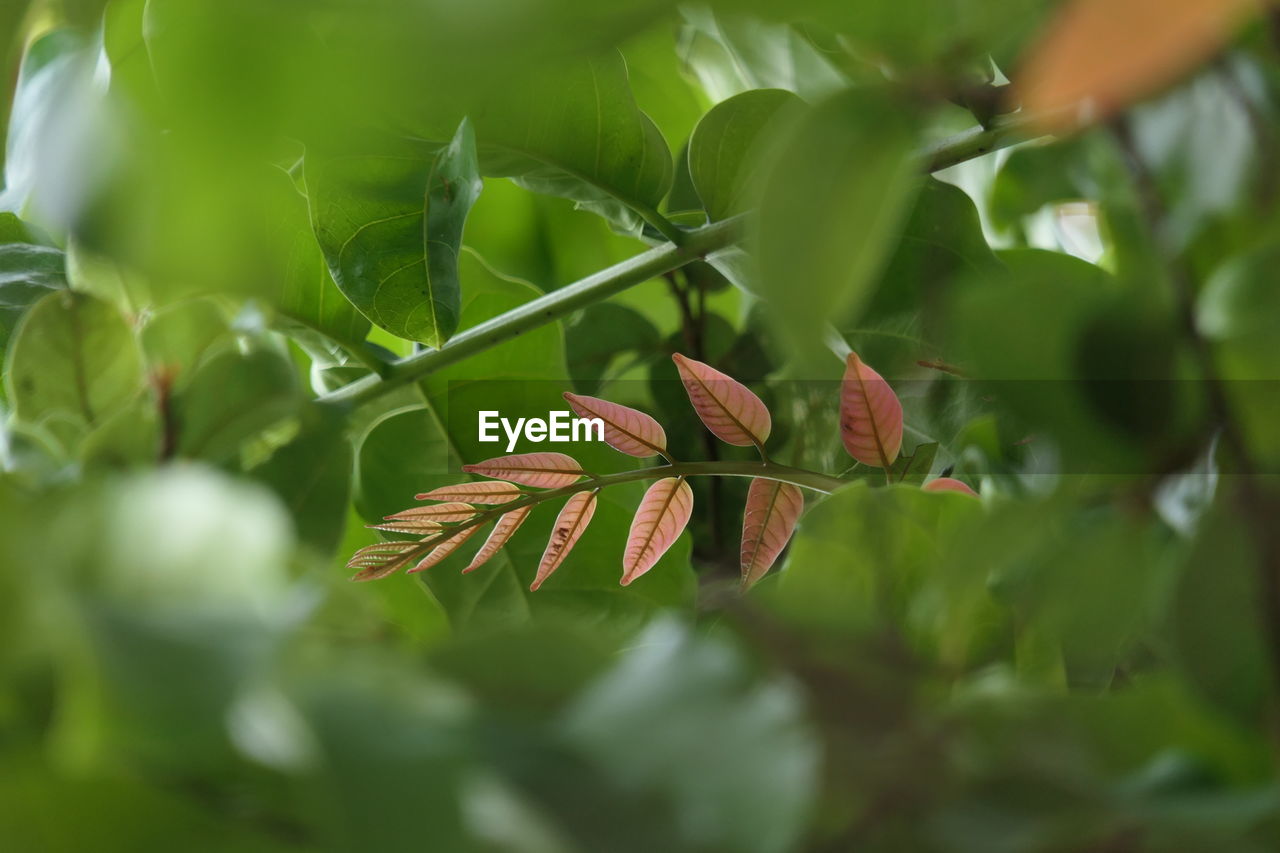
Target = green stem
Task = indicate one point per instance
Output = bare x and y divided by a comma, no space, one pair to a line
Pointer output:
970,144
664,226
685,247
558,303
367,358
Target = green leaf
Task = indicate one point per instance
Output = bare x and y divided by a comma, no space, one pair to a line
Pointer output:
569,129
312,476
727,145
731,54
913,469
176,337
603,332
680,696
576,132
55,112
232,397
831,207
1237,312
394,255
27,272
307,292
941,245
128,437
1058,344
73,359
865,558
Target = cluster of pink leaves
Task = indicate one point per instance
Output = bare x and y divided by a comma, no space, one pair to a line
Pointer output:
871,424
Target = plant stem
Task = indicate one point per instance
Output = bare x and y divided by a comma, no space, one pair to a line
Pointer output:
544,309
686,246
970,144
813,480
664,226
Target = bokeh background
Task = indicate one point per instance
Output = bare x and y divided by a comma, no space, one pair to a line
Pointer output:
1052,226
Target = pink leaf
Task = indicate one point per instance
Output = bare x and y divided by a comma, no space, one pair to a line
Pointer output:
474,493
734,414
445,548
540,470
425,519
379,559
773,509
870,415
570,523
506,527
625,429
948,484
658,523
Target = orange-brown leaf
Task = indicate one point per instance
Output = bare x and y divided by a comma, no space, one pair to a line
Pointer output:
727,407
770,518
425,519
625,429
506,527
948,484
870,415
570,523
661,518
540,470
483,492
1099,56
445,548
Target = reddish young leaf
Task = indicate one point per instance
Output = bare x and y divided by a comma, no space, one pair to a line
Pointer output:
658,523
506,527
572,520
379,559
734,414
870,415
445,548
625,429
425,519
773,509
484,492
540,470
1098,56
948,484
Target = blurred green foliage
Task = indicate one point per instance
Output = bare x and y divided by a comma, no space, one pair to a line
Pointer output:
218,214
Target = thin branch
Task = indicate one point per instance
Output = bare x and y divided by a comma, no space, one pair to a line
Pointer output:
542,310
693,245
974,143
813,480
664,226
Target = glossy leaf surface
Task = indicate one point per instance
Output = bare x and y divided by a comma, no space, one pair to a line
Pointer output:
728,146
391,229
